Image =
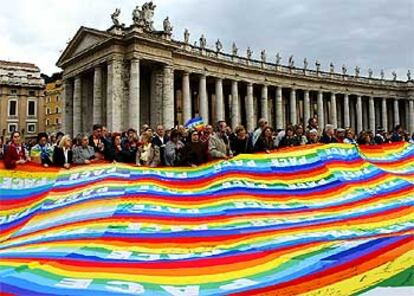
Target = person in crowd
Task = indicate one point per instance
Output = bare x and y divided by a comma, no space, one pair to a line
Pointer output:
42,152
349,136
206,133
289,139
265,143
183,134
340,135
84,153
63,155
328,135
364,138
115,151
380,136
262,123
148,154
174,149
15,153
194,153
106,136
1,148
131,144
412,139
160,139
144,128
313,137
312,124
396,135
59,136
219,143
242,142
97,141
301,138
279,134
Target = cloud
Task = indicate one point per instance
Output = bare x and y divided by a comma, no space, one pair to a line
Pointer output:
369,33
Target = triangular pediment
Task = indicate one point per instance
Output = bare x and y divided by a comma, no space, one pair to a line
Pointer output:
83,40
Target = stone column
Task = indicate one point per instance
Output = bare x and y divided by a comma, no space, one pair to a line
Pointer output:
321,120
334,114
293,112
235,107
306,107
279,107
411,114
371,114
347,121
168,97
77,112
219,100
202,89
396,113
67,123
384,114
114,95
97,95
186,97
249,107
134,102
359,114
264,102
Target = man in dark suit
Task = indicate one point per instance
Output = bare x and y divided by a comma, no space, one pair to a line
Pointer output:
160,139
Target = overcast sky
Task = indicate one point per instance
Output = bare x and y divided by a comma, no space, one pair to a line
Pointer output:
369,33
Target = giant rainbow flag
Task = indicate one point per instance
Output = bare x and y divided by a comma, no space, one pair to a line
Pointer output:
316,220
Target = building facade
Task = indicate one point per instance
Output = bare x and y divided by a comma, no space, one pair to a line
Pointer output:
53,104
21,99
127,76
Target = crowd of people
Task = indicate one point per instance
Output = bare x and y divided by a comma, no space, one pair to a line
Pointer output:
180,146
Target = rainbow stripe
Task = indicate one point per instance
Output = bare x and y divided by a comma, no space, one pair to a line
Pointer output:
317,220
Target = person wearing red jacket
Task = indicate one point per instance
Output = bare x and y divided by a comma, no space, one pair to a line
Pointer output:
15,153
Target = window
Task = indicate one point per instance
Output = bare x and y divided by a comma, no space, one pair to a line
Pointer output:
57,109
11,127
57,98
12,108
13,92
57,120
47,122
31,128
47,111
32,93
31,108
29,75
10,74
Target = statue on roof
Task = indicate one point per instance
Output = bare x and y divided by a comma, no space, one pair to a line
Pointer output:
115,17
357,71
305,64
278,59
370,73
143,17
318,65
291,62
203,41
331,67
249,53
408,75
382,74
263,56
219,46
186,36
344,69
394,75
167,26
235,50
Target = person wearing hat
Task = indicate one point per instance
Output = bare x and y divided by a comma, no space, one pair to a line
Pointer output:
313,137
340,135
380,137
